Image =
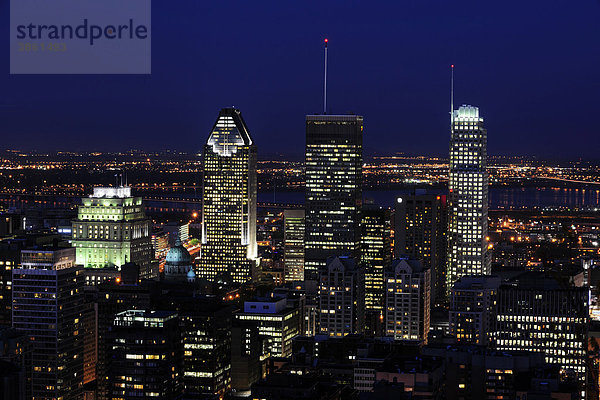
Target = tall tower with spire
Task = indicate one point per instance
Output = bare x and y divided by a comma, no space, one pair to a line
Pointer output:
229,249
333,194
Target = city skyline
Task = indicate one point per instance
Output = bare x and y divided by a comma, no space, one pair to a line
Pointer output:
194,333
303,247
515,76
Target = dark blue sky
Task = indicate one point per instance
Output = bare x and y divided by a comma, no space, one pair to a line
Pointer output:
533,68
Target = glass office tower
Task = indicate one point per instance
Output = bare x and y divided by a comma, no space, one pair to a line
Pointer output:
229,248
333,162
468,197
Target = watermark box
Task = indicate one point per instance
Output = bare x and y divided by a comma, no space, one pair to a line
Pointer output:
80,37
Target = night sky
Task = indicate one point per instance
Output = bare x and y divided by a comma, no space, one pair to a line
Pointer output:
533,68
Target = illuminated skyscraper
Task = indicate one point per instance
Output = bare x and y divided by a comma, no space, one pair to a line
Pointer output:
111,229
333,189
293,239
468,197
229,200
376,254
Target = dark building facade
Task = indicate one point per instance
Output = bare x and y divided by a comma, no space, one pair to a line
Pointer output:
206,328
145,356
473,303
10,256
475,372
48,306
115,297
420,232
206,339
342,298
246,352
15,365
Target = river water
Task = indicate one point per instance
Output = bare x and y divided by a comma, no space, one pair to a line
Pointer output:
500,197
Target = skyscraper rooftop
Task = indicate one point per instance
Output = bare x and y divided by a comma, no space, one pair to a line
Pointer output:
467,111
112,192
229,132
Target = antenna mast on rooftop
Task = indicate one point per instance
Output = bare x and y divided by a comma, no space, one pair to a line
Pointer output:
325,82
452,98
